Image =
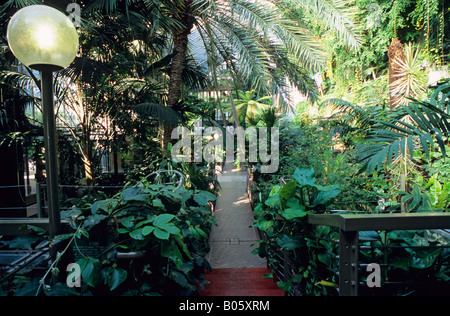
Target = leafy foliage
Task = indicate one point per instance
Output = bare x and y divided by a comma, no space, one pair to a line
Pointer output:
282,219
394,136
408,259
164,228
169,225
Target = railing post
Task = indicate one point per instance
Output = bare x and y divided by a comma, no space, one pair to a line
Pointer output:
348,263
39,200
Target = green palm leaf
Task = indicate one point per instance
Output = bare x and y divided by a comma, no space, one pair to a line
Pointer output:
339,15
163,114
429,125
18,80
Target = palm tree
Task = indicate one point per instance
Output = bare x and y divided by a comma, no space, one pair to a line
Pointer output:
258,41
247,107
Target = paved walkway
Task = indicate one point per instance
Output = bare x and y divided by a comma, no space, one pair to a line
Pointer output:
235,270
232,239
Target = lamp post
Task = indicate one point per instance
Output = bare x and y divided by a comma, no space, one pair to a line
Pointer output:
45,39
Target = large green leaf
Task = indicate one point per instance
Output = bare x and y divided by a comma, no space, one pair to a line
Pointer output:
158,203
424,259
170,228
90,270
294,210
163,219
128,221
439,196
170,250
134,194
147,230
161,234
93,220
114,277
305,177
273,201
290,242
25,242
137,234
325,195
264,224
369,236
288,190
202,197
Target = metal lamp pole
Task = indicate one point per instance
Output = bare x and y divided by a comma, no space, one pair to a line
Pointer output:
51,151
46,40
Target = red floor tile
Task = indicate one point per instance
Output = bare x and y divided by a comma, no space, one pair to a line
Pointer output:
240,282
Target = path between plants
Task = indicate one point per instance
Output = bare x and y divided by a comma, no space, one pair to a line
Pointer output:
235,270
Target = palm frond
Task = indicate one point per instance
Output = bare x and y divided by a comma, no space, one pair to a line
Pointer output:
441,95
17,3
394,136
162,114
259,14
339,15
194,76
88,70
18,80
301,44
348,116
251,60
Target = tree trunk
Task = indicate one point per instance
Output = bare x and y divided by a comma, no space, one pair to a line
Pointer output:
234,111
395,51
176,71
87,155
180,41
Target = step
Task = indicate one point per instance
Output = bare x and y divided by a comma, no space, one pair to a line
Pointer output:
240,282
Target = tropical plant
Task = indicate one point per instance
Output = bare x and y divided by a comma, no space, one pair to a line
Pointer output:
282,219
249,36
408,78
268,118
406,256
248,107
351,122
393,137
163,227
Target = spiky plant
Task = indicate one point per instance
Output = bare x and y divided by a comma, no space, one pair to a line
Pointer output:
407,79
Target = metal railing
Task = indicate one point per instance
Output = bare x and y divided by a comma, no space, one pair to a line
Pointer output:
38,199
352,265
350,225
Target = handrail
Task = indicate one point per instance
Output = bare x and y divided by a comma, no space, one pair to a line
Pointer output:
394,221
350,224
13,226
